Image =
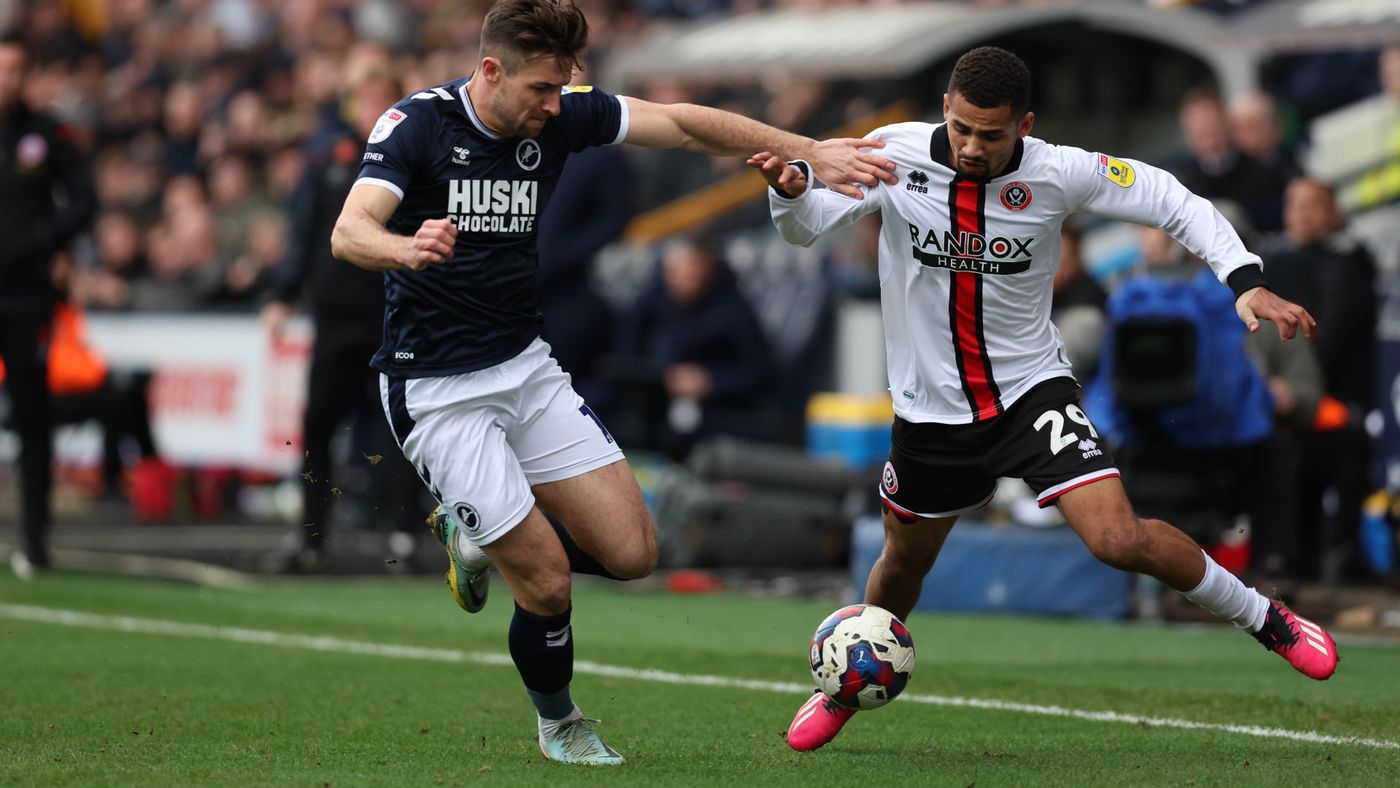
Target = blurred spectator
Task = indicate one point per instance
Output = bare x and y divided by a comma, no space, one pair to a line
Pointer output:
347,309
1213,167
46,197
1278,543
184,115
1255,132
1318,265
699,353
1077,306
85,389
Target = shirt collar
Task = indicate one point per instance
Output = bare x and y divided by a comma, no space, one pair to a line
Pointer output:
471,111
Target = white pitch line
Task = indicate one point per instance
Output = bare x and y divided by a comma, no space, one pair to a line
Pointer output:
74,618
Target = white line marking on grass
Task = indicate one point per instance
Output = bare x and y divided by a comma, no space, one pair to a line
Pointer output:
74,618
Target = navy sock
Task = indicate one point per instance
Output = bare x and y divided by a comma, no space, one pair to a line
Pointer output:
579,561
543,650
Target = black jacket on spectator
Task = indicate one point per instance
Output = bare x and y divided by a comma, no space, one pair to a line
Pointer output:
719,331
46,197
1335,281
347,309
342,297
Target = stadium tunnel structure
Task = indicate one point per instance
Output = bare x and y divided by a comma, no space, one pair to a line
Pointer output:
1108,75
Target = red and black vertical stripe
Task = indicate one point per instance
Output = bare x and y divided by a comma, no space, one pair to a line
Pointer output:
967,202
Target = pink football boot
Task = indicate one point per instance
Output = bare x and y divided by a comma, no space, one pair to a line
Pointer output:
1305,645
817,722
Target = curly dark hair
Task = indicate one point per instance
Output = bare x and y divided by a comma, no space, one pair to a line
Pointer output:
991,77
518,31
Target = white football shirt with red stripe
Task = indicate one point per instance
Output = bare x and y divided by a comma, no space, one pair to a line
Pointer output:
966,267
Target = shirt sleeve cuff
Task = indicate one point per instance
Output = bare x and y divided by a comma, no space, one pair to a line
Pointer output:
1245,278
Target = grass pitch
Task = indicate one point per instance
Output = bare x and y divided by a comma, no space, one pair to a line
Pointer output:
118,681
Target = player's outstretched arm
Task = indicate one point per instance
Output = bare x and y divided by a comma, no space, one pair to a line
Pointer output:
1260,303
842,164
360,236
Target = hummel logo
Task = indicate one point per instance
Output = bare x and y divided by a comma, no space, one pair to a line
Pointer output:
918,182
459,155
558,637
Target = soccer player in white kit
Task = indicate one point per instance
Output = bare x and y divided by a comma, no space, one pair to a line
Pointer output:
981,385
451,187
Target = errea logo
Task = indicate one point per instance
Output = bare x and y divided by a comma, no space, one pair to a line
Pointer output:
1089,448
918,182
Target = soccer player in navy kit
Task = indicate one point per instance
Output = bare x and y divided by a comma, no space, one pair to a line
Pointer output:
452,186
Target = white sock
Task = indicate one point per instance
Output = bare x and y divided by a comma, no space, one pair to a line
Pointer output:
548,726
1224,595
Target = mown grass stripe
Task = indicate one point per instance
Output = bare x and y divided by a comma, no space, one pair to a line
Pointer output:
75,618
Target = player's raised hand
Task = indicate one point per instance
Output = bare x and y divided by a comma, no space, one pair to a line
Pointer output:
844,163
1260,303
432,244
780,175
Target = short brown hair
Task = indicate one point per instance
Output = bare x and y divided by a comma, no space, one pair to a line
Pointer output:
518,31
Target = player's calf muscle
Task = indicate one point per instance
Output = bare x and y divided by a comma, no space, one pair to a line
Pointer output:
1122,544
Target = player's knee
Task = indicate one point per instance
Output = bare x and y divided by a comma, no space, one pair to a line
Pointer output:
1122,545
547,594
635,563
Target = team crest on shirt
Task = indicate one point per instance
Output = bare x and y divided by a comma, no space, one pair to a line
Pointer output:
527,154
389,121
1016,196
467,516
889,480
1116,171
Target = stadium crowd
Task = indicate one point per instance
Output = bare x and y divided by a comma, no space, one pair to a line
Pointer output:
200,116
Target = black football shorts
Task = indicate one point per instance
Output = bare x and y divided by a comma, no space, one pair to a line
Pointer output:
941,470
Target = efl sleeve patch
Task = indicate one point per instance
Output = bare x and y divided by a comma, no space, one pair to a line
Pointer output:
577,89
386,124
1116,171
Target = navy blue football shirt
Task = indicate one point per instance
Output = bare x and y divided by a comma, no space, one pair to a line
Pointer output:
478,308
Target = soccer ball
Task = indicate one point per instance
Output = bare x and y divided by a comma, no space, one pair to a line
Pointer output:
862,656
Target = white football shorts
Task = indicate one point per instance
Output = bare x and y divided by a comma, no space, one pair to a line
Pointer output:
481,439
